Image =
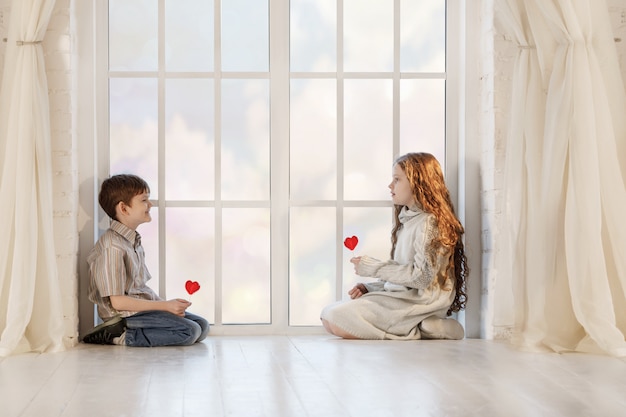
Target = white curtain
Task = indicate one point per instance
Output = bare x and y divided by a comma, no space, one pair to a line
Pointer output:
565,177
31,317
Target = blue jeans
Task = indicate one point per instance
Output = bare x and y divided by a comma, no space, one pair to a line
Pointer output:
161,328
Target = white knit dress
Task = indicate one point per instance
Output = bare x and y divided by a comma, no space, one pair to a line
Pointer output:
411,287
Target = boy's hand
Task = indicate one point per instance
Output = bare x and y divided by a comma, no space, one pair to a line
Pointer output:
125,303
178,306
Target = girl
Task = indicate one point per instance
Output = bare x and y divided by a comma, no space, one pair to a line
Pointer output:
425,279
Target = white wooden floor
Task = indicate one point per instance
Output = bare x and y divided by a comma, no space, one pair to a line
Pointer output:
311,376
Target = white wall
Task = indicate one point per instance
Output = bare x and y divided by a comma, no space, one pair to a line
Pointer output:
59,55
488,92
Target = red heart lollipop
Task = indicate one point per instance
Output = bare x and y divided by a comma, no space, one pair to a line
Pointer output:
351,242
192,286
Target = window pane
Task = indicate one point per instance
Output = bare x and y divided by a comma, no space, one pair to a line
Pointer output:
189,140
190,249
423,36
368,139
312,272
372,226
246,265
211,145
133,41
422,122
313,35
368,35
150,241
313,144
134,129
189,35
245,35
245,140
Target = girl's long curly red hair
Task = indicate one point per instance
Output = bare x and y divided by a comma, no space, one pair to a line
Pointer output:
431,193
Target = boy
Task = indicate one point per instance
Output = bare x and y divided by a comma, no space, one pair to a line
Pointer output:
133,314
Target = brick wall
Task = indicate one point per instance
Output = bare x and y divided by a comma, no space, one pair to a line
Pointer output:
59,56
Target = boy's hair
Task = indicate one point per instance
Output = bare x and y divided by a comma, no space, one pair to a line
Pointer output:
122,187
431,193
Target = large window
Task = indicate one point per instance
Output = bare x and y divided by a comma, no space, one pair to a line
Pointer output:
266,130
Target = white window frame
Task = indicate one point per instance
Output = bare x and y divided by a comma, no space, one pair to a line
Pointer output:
92,124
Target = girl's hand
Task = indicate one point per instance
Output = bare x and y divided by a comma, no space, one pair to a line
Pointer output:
356,261
357,291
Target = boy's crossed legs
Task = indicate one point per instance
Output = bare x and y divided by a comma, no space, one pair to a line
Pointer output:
150,329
